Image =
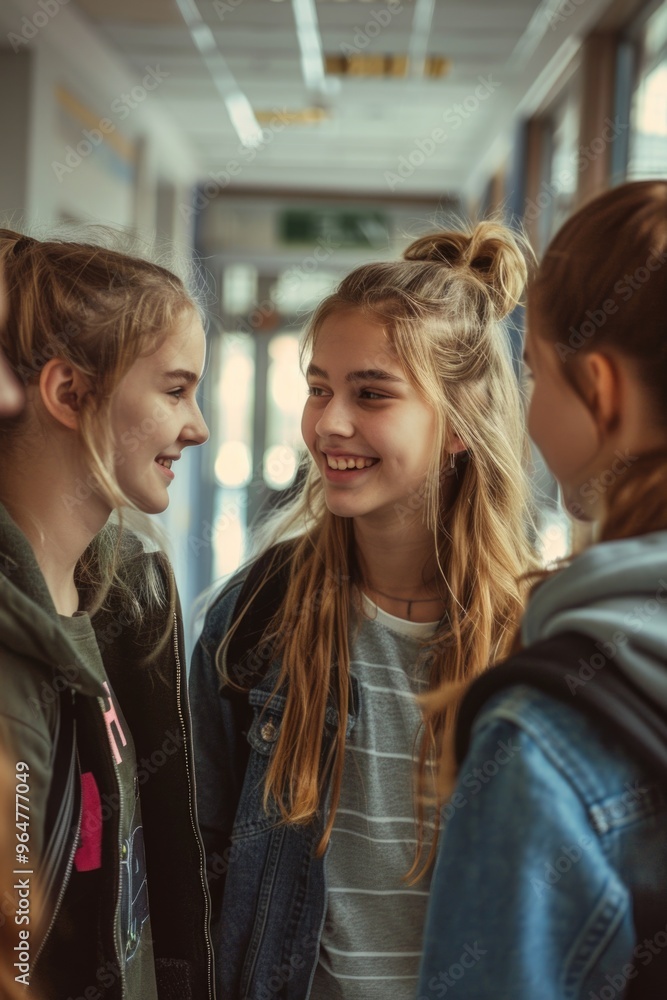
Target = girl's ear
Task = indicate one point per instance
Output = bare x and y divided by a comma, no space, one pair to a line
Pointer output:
600,383
62,388
455,445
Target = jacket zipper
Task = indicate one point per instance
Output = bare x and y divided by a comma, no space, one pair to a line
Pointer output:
202,865
68,872
116,919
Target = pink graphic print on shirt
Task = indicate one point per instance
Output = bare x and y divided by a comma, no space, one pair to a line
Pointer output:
111,718
88,855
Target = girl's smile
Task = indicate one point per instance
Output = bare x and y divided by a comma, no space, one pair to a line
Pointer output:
164,461
365,424
155,415
349,462
348,469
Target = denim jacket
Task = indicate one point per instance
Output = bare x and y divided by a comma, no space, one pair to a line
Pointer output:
575,906
268,888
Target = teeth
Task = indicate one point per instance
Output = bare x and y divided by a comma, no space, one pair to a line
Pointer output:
164,461
349,463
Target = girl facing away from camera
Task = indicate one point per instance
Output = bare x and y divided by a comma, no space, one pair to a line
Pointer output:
551,879
94,706
395,568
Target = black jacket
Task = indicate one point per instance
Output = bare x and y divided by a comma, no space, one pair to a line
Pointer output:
50,715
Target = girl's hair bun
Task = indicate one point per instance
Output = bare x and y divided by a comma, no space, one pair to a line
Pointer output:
490,253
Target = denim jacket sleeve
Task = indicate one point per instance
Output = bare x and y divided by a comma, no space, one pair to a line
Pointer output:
526,898
219,723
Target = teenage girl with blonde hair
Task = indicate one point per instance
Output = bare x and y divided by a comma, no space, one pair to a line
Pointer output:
395,567
94,707
551,879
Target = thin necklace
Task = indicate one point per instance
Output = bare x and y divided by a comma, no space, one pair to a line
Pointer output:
408,601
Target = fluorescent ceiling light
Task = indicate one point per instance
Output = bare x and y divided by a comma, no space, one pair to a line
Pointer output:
310,43
203,38
243,118
236,103
535,31
422,20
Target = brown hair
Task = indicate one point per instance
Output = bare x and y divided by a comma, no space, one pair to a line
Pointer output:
441,308
603,285
100,310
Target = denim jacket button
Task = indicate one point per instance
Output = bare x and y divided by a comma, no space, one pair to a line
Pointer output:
269,732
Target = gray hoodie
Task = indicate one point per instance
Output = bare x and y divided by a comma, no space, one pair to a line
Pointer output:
615,592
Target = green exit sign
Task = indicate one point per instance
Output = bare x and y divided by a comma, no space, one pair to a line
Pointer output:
342,228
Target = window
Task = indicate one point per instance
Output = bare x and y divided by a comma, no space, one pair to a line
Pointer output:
234,405
648,136
285,400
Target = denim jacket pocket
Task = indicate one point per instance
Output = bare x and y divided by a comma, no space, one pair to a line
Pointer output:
252,817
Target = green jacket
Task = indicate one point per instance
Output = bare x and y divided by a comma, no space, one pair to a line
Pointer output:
41,675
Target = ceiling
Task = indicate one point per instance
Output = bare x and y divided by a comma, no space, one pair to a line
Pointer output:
371,134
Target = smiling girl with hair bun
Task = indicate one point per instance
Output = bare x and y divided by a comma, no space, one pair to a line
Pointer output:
94,716
394,569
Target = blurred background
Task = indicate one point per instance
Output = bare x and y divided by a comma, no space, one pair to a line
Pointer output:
281,142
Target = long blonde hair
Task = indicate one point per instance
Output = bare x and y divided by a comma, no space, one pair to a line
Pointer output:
441,307
100,310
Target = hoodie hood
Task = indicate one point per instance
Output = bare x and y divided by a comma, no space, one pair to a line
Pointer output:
29,624
615,592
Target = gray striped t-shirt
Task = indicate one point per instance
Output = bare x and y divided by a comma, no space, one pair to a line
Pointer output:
372,938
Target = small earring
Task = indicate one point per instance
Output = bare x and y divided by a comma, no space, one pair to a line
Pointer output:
452,460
